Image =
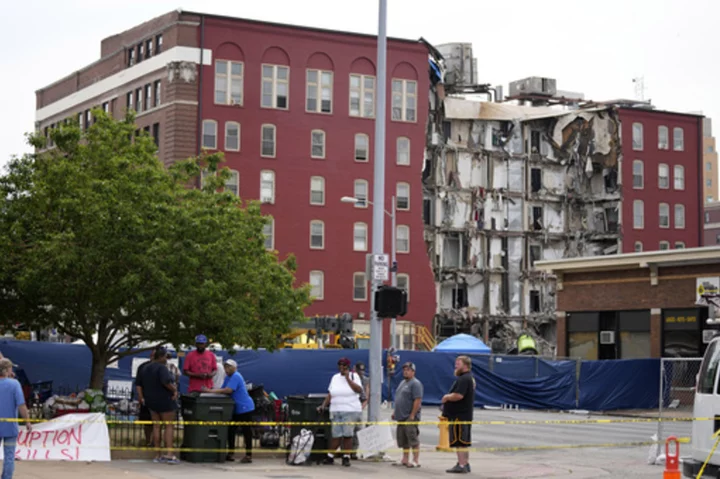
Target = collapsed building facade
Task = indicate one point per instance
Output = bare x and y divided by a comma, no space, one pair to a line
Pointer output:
506,185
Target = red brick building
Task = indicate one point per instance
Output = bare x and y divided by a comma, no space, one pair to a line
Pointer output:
293,109
662,179
635,305
711,224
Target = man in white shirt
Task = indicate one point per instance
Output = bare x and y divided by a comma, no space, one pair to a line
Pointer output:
345,410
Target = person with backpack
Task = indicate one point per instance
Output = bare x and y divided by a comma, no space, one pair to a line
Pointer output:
345,410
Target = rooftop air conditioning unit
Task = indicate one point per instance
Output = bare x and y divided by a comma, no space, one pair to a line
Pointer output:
534,86
607,337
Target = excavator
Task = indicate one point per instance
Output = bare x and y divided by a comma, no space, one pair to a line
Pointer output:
324,332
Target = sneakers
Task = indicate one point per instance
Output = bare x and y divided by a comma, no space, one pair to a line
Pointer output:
346,461
329,461
458,469
246,460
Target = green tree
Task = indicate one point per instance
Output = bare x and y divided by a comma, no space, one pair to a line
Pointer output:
98,238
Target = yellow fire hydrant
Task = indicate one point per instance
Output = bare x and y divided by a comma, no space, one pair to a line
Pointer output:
444,441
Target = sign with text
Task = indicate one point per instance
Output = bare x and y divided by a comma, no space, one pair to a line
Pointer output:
375,439
707,285
73,437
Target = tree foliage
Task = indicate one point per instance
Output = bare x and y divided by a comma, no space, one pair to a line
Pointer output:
98,238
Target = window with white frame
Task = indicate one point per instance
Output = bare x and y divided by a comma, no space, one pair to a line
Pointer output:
638,246
679,177
402,244
678,139
359,287
664,245
403,151
362,96
269,233
317,190
209,134
317,234
317,285
403,282
680,217
663,138
404,100
232,136
360,192
267,186
275,86
360,237
317,144
637,136
319,91
638,214
638,174
679,245
232,183
228,82
362,147
402,196
269,136
664,214
663,176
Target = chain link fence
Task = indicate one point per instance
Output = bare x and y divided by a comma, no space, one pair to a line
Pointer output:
678,377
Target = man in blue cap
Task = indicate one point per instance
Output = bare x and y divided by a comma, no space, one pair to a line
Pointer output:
200,366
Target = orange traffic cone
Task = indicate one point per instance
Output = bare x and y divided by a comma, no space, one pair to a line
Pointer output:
672,461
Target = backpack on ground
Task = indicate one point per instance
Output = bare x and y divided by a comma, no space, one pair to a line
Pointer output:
301,448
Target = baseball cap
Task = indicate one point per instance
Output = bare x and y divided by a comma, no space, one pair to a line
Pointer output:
409,365
343,362
360,366
230,362
201,339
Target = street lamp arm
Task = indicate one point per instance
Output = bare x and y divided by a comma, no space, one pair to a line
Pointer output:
352,199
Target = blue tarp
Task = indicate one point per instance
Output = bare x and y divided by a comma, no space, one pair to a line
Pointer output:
463,343
529,382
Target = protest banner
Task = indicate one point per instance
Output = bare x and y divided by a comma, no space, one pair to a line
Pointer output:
73,437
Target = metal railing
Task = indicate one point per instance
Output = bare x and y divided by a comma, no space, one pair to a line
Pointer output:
678,378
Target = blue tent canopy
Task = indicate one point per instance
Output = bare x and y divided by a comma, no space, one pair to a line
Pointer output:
462,343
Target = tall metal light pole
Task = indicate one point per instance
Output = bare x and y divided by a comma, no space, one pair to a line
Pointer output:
378,231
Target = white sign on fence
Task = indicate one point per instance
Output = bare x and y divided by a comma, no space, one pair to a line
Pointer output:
375,439
73,437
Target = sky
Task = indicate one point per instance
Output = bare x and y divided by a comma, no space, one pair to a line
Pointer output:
596,48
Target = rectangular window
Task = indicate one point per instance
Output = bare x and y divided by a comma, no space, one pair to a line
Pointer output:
359,287
360,237
678,139
680,217
638,246
275,86
360,192
664,213
402,239
317,284
317,234
403,151
403,282
156,134
232,184
317,190
708,166
638,214
88,118
232,136
228,82
148,48
679,245
317,144
139,100
129,101
664,246
638,174
209,134
267,186
404,100
708,182
148,95
362,147
319,91
362,96
158,44
268,141
141,52
679,177
269,233
157,99
106,107
663,138
637,136
663,176
131,56
403,196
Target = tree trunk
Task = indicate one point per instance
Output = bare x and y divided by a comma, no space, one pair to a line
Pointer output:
99,363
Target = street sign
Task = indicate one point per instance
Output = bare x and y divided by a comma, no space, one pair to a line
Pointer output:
380,267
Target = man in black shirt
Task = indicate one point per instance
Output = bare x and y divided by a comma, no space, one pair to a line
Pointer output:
458,407
144,414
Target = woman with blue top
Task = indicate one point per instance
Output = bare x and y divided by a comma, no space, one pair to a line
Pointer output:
234,386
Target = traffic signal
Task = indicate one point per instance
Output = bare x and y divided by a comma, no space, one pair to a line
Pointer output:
390,302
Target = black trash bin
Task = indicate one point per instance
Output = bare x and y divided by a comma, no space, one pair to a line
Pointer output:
210,408
304,409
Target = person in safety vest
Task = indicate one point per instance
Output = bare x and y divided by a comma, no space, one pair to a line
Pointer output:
526,345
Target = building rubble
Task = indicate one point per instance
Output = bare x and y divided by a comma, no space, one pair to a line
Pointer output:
506,185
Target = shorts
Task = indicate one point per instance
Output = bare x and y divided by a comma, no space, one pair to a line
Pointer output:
408,436
343,423
460,435
162,406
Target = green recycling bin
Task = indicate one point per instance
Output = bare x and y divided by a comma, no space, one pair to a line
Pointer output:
304,409
212,408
